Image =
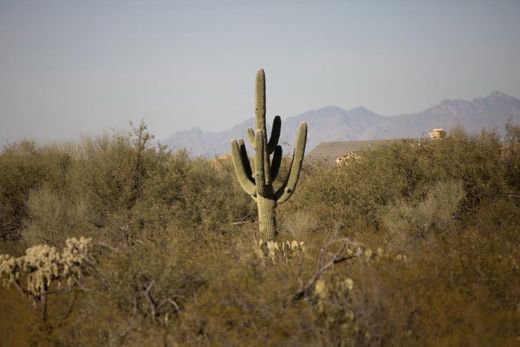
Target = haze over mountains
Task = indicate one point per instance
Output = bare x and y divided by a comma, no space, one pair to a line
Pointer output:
332,123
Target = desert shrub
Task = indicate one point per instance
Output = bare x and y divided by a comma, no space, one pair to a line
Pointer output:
300,223
25,166
53,216
112,168
475,160
192,194
147,190
407,222
137,293
511,154
452,288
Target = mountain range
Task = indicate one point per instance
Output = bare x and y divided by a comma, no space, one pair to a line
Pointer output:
332,123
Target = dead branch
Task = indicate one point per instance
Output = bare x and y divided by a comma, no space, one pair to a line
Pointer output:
337,258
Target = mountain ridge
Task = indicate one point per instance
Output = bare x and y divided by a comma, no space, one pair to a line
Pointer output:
333,123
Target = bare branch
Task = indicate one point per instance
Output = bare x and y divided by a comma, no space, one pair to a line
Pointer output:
337,258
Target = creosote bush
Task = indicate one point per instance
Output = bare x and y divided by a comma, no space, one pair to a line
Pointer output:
408,246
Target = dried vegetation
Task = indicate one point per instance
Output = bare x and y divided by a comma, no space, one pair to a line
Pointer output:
411,246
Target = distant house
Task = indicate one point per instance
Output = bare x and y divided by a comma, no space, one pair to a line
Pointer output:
341,153
221,161
329,152
437,134
347,159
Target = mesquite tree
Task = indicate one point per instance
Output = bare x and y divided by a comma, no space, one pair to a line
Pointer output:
259,183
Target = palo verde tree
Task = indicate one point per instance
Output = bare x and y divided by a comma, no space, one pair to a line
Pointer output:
259,183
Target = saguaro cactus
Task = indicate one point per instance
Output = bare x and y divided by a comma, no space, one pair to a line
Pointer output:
259,183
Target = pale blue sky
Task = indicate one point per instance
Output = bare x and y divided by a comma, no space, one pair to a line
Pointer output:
72,67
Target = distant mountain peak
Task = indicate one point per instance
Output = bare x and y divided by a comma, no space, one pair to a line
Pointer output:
335,108
330,108
497,95
362,110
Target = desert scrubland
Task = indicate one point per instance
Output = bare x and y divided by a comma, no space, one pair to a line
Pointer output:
114,240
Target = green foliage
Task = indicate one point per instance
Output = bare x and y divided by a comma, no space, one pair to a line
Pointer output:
411,245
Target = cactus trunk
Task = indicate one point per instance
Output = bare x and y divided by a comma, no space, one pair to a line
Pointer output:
267,217
259,184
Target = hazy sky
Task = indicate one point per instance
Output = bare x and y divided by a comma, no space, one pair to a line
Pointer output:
72,67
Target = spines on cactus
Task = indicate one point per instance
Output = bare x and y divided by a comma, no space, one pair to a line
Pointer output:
259,183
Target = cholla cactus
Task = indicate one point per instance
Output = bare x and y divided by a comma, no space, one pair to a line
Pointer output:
259,183
8,269
42,265
278,251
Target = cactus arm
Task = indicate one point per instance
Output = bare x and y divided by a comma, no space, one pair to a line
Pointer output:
279,192
287,189
277,161
251,136
245,159
259,163
275,135
242,167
